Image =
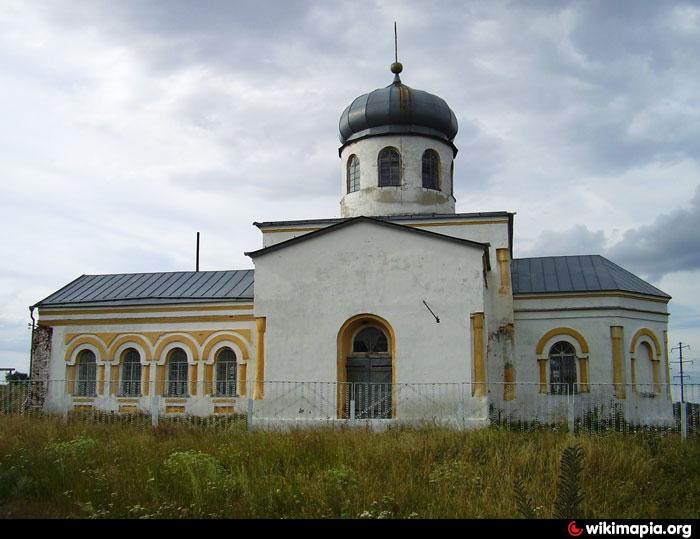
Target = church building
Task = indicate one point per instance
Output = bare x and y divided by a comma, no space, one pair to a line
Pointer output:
399,309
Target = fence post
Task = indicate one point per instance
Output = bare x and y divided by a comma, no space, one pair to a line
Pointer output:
684,421
249,420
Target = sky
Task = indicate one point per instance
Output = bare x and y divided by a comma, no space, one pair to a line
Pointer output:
129,126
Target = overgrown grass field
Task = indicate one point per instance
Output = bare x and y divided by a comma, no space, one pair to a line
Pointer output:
49,469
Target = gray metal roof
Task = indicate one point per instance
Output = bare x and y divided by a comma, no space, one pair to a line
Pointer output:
154,288
398,109
589,273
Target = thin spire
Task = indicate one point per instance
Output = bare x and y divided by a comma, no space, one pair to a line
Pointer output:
396,45
396,67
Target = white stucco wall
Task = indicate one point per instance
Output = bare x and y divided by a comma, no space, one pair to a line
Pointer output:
308,290
410,197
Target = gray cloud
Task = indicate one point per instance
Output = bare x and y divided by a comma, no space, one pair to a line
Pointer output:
131,125
670,244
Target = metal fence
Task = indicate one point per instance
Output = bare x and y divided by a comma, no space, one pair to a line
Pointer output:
284,404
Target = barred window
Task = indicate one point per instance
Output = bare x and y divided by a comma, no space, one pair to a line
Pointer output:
86,384
177,373
353,174
226,373
370,340
431,170
389,165
131,373
562,369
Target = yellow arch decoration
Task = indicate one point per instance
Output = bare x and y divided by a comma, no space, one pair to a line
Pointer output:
213,341
562,331
124,339
185,340
87,339
645,332
344,347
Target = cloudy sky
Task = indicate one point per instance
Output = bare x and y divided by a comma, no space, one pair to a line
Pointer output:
128,126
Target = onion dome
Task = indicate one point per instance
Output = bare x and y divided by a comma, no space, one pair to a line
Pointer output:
398,109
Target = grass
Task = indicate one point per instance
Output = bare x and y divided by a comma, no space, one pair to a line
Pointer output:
82,470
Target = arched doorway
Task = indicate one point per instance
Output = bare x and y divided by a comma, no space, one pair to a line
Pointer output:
366,372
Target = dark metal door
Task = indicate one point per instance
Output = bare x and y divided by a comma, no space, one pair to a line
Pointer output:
370,386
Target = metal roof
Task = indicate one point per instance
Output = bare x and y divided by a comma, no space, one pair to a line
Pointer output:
398,109
588,273
154,288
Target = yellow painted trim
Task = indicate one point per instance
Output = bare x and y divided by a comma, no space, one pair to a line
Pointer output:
160,380
208,379
83,399
82,407
646,332
193,380
478,359
146,380
574,295
667,366
227,336
87,339
344,348
259,388
503,259
134,338
106,338
243,379
136,310
126,400
100,379
153,336
114,380
180,338
224,400
542,362
583,375
561,331
128,409
145,320
618,360
175,400
509,385
223,409
174,409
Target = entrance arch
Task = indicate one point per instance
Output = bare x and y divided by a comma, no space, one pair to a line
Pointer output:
366,368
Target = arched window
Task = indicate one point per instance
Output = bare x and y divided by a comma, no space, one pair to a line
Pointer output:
131,373
645,368
353,174
226,373
87,374
431,170
177,373
370,341
562,369
389,165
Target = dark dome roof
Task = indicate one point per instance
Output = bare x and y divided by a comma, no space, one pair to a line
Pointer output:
398,109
